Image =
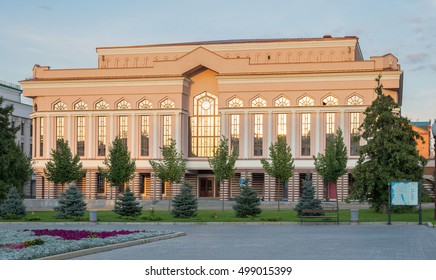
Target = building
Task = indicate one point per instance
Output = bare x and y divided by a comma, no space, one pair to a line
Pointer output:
250,91
424,129
11,94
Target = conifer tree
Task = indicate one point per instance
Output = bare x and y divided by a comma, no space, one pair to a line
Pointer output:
307,198
15,166
185,203
126,204
13,205
71,204
247,203
390,152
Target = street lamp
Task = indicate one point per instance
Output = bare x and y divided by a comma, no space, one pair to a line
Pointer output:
433,130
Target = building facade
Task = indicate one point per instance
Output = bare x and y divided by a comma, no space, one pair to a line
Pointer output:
250,91
11,94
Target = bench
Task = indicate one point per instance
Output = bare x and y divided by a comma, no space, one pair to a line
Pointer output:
320,214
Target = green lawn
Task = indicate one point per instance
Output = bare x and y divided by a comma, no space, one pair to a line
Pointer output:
286,215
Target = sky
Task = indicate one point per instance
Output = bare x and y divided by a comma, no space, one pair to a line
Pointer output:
64,34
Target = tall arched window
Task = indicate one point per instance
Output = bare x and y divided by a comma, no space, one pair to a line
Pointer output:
205,125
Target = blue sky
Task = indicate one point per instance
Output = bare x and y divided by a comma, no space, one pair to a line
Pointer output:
64,34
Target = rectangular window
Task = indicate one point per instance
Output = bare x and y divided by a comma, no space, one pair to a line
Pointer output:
101,135
31,130
305,134
354,134
60,129
22,127
258,135
81,136
234,133
281,125
145,135
166,130
122,129
41,137
330,128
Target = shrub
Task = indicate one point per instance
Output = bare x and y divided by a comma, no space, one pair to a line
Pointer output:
247,203
184,204
71,204
126,205
307,199
13,206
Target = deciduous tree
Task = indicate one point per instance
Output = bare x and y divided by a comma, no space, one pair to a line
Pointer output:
63,168
223,164
390,152
281,166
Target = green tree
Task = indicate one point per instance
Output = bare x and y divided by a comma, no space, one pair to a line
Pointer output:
15,166
13,205
172,168
223,164
247,203
389,154
185,203
307,199
126,205
333,164
71,204
282,164
63,168
120,168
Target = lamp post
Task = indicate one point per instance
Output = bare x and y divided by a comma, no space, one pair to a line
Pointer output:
433,130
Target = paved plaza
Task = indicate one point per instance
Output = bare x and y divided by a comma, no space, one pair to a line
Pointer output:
271,241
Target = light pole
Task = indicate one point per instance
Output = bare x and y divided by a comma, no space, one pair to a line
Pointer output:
433,130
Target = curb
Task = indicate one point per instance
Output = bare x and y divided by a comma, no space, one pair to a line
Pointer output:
100,249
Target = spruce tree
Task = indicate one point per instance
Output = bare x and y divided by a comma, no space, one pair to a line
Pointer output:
15,166
307,199
185,203
247,203
71,204
126,204
13,205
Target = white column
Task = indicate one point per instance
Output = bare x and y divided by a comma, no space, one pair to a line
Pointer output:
342,123
270,125
245,135
224,125
155,136
111,128
318,133
90,143
293,132
47,136
133,148
69,130
178,131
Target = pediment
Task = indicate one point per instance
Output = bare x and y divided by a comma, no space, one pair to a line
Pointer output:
198,60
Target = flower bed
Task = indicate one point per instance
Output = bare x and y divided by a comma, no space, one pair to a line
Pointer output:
33,244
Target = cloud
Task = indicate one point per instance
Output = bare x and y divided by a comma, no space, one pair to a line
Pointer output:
433,67
417,57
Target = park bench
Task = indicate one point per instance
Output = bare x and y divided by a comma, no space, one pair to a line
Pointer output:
328,213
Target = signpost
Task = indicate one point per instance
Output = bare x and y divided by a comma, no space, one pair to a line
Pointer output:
404,194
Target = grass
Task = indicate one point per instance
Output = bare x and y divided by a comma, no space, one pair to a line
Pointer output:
287,215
